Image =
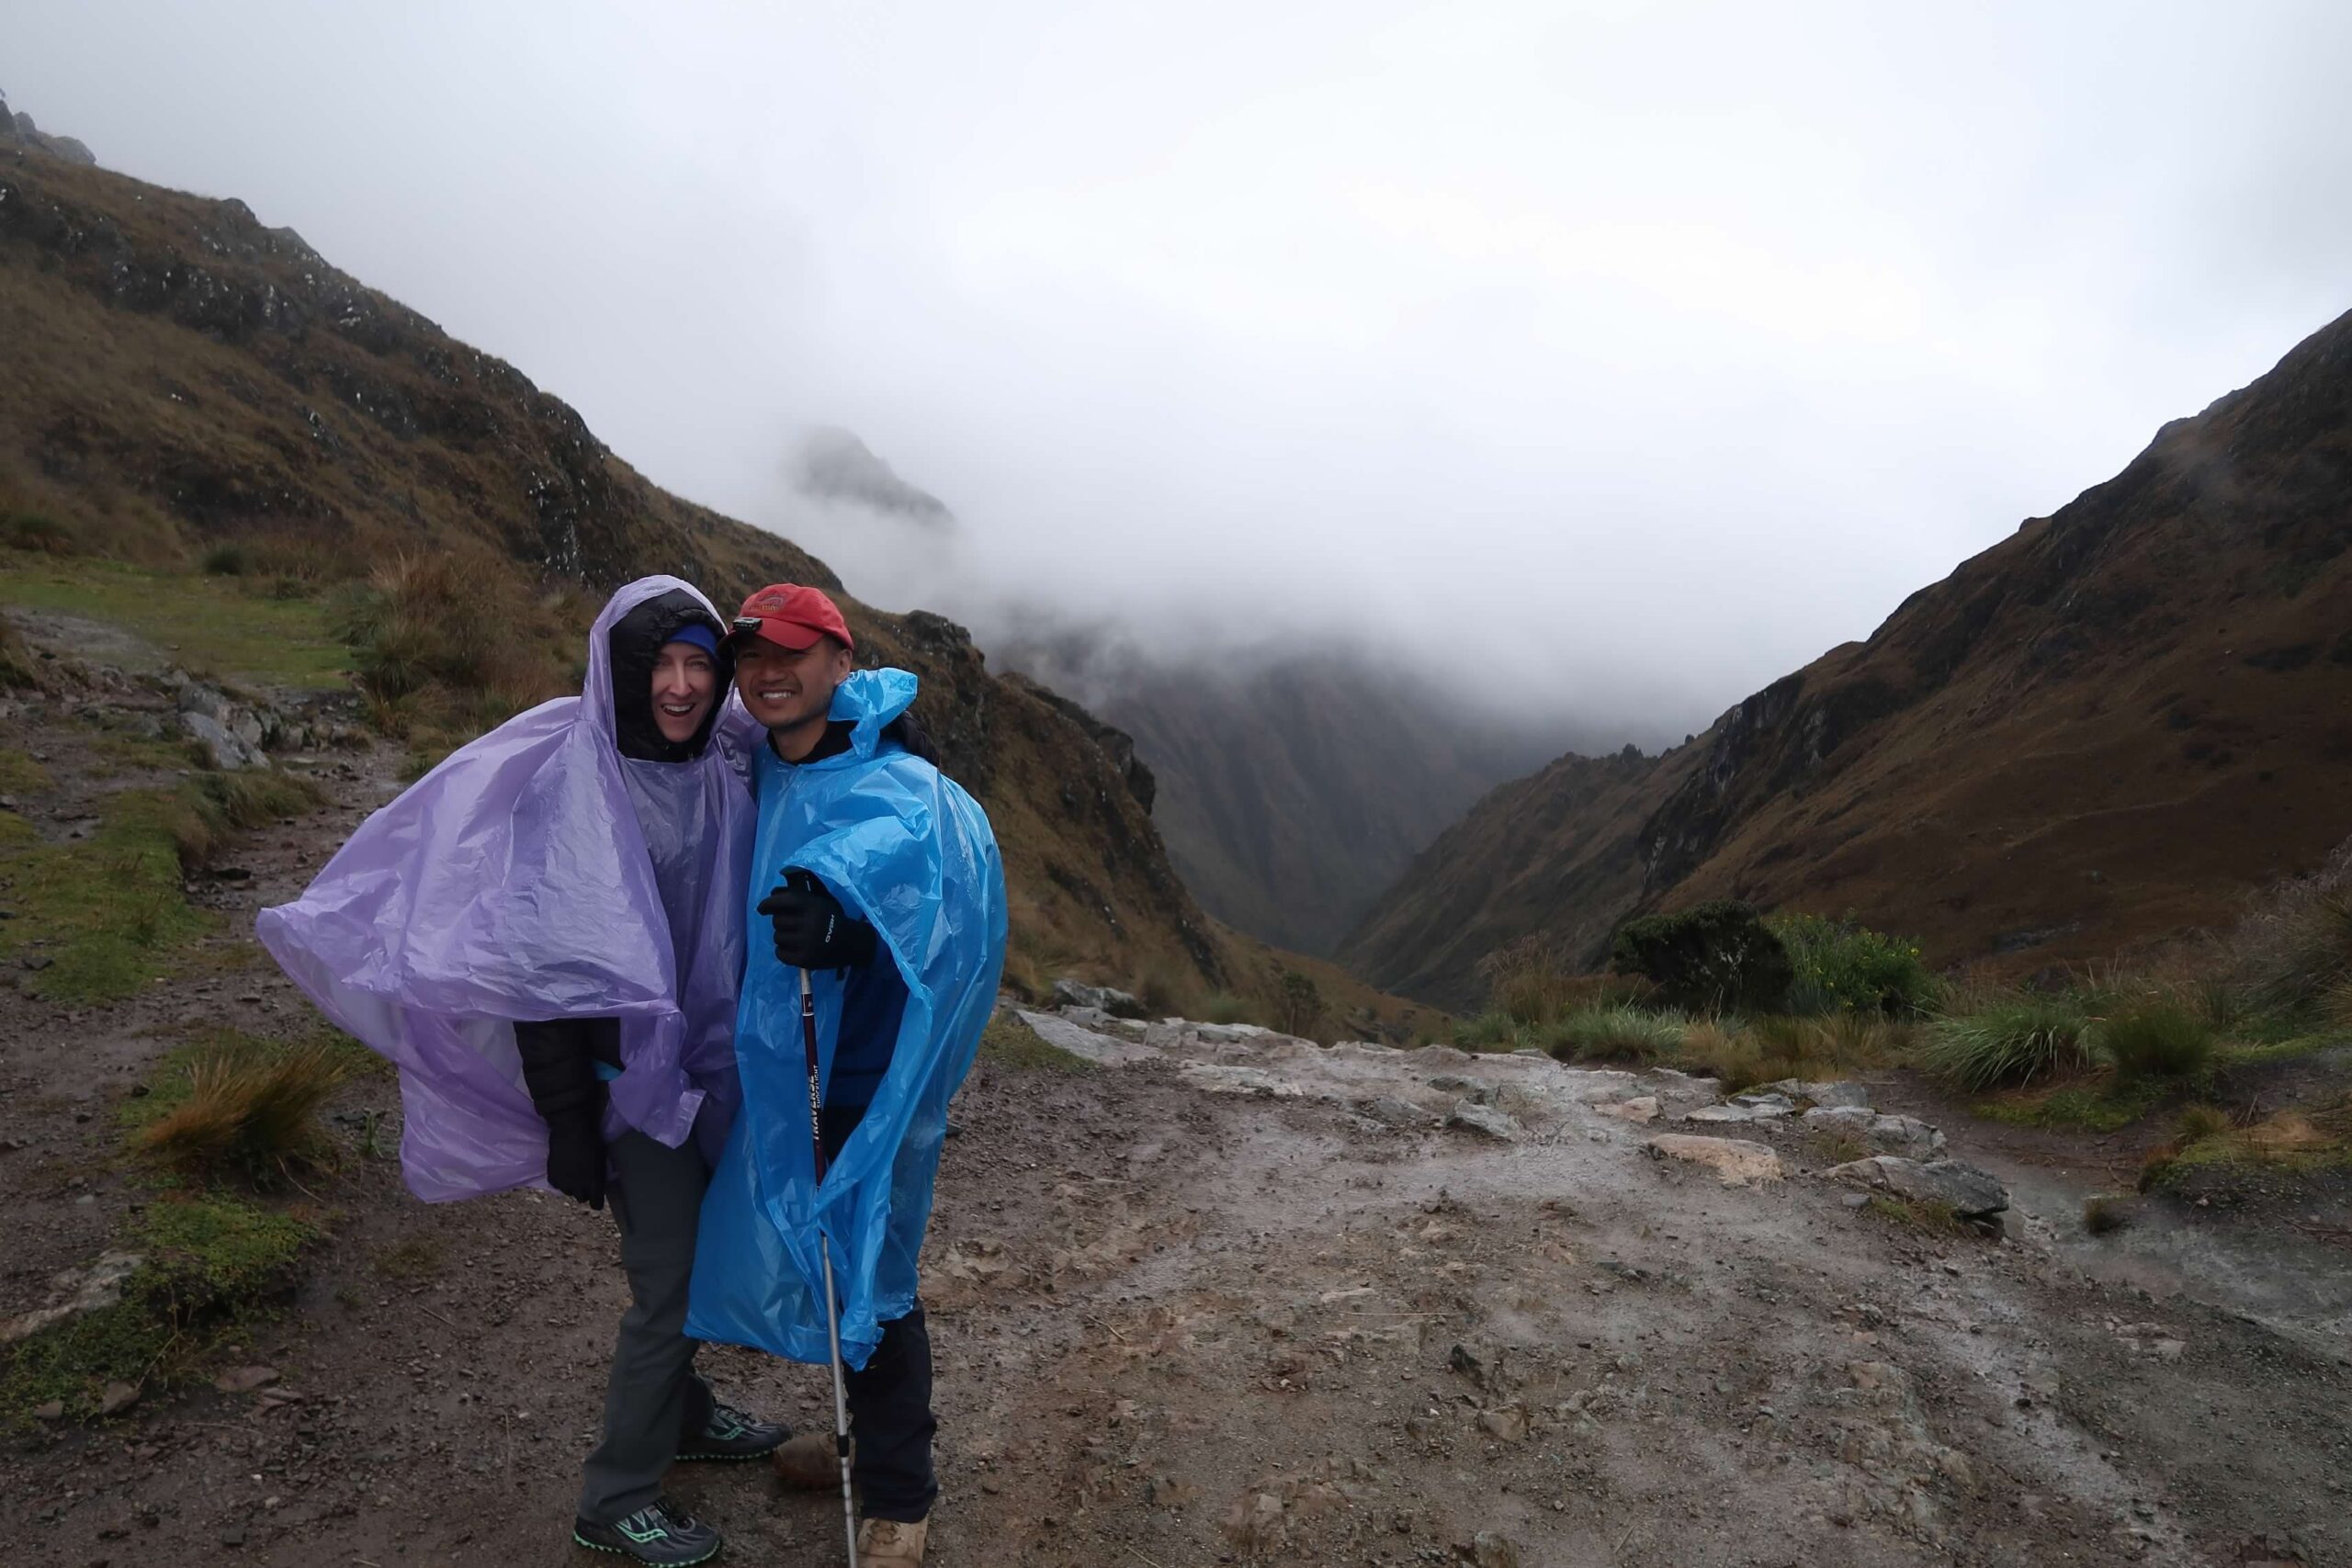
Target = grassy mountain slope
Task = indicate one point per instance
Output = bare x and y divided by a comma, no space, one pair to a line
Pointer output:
181,382
2100,733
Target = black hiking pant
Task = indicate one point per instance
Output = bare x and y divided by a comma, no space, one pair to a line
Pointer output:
890,1419
653,1400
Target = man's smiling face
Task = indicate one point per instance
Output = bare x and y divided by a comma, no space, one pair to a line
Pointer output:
785,690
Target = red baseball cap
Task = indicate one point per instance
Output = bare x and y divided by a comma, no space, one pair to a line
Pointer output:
791,617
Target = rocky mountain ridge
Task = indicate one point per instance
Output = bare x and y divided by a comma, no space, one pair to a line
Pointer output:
2098,735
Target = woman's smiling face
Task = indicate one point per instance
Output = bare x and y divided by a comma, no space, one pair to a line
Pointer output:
686,682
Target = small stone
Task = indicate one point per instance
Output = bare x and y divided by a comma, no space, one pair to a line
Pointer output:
54,1410
1491,1548
233,1536
1507,1425
245,1379
1640,1110
117,1398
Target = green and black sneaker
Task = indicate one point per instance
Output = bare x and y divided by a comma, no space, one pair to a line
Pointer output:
732,1434
660,1533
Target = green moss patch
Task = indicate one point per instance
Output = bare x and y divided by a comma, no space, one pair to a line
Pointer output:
214,623
1009,1042
2100,1105
212,1264
105,911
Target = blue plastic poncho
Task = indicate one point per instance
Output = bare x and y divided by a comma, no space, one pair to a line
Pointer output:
904,848
537,874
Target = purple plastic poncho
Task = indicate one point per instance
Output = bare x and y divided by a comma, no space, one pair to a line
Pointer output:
537,874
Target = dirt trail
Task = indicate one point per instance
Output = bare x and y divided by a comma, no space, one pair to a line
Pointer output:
1194,1306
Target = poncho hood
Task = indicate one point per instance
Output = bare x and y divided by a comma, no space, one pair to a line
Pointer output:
537,874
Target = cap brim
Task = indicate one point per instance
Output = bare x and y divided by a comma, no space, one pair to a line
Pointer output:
784,634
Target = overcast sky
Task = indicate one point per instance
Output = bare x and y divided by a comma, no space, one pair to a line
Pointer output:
1620,355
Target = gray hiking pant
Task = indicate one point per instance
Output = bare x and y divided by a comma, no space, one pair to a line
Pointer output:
654,1398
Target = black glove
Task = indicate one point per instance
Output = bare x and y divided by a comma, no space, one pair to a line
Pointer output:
559,1069
576,1159
812,930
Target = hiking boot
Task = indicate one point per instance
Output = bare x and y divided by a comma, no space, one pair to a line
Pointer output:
887,1543
660,1533
731,1434
810,1462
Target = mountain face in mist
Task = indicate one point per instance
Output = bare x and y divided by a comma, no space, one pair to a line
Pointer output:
835,466
1293,787
2102,733
1292,784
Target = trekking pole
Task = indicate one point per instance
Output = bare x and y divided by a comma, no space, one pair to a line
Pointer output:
832,1312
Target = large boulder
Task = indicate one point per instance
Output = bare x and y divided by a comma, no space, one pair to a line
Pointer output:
1071,993
1968,1192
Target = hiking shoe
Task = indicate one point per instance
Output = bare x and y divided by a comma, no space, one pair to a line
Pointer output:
660,1533
810,1462
887,1543
731,1434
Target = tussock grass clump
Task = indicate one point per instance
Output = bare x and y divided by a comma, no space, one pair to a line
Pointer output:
1729,1055
1024,979
2012,1040
449,644
1924,1215
2294,945
226,560
2155,1037
1169,989
1493,1030
37,531
258,798
248,1109
18,669
1616,1034
1225,1007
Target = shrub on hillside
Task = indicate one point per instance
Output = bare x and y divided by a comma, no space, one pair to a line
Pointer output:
2155,1037
2295,943
1844,967
1718,956
451,645
2009,1040
1614,1034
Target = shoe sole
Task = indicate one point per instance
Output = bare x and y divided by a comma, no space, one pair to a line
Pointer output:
579,1539
722,1459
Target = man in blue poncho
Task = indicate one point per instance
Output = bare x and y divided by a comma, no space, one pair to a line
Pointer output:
879,877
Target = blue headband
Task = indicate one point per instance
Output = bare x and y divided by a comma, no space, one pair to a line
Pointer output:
700,636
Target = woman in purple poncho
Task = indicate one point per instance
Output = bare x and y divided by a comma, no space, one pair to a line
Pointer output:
546,935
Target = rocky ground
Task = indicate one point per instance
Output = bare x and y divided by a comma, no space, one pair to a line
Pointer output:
1204,1294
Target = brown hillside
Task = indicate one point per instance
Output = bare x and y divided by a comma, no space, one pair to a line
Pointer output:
1554,858
177,375
2100,733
